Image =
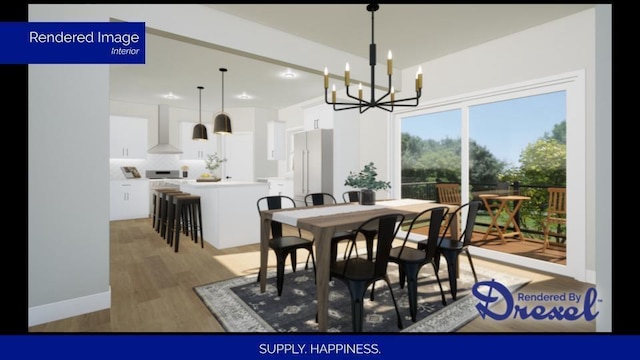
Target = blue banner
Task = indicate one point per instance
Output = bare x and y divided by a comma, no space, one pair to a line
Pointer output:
72,43
321,346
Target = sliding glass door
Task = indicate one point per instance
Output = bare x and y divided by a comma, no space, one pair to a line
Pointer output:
507,143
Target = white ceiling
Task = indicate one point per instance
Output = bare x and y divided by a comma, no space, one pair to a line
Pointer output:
178,66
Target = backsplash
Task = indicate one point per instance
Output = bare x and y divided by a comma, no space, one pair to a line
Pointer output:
156,162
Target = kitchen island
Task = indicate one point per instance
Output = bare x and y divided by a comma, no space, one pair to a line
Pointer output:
229,214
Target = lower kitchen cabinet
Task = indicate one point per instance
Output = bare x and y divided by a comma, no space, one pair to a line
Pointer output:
129,199
281,187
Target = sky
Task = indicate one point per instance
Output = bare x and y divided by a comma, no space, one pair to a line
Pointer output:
505,127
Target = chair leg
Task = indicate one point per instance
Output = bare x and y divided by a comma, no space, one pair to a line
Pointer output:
313,261
411,271
357,290
546,238
281,258
395,304
401,276
294,262
444,300
452,266
306,265
473,269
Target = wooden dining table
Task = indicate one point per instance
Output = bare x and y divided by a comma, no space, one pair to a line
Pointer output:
325,220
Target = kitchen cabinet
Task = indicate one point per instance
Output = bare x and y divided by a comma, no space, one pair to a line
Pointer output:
128,137
196,149
313,163
319,117
280,187
129,199
276,140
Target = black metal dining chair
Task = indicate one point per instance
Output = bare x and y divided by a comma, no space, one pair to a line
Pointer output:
284,245
358,273
321,198
451,248
410,260
351,196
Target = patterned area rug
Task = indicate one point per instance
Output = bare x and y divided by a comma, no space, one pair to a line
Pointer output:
240,307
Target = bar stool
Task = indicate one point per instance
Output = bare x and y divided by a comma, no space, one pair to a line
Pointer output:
185,215
156,202
166,202
159,206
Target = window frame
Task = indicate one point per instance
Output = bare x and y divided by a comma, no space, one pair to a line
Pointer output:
573,83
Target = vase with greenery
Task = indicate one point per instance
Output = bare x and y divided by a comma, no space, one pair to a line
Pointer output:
366,181
212,163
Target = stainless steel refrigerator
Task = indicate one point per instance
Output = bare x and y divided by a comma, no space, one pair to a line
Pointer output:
312,163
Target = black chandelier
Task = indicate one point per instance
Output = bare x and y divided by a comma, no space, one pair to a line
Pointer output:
385,102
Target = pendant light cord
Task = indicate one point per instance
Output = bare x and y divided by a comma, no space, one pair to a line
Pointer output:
200,104
223,70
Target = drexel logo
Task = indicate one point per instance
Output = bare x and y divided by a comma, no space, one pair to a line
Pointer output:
490,292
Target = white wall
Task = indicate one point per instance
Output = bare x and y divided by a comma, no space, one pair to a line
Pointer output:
603,183
68,209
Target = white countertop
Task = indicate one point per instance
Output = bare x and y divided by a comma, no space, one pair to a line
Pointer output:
222,183
265,179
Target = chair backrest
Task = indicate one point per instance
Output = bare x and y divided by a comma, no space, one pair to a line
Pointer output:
319,199
557,202
351,196
503,188
272,203
387,227
433,217
467,231
449,194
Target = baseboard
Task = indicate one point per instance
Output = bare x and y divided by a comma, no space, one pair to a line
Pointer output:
69,308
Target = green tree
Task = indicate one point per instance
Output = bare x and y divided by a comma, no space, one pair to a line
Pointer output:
559,133
543,163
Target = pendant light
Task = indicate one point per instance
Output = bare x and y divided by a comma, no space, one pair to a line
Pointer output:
222,121
200,131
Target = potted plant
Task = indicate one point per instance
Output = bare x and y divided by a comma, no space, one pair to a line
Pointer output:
212,163
366,181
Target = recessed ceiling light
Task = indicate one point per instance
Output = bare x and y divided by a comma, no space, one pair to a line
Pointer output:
170,96
244,96
289,74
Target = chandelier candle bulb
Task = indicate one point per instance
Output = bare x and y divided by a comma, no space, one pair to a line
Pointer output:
346,75
419,78
333,93
389,64
393,94
360,91
326,78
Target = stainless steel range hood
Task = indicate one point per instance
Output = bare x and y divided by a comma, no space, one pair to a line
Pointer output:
163,146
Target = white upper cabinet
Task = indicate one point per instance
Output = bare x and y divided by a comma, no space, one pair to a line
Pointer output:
128,137
319,117
196,149
276,140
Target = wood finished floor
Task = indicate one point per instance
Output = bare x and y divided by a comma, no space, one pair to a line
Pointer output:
152,287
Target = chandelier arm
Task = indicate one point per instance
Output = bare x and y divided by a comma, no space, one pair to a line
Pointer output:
354,98
399,102
349,105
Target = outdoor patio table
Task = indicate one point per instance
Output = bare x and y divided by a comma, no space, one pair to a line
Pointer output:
504,207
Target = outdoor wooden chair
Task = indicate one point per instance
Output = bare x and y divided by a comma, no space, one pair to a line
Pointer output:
556,212
449,194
